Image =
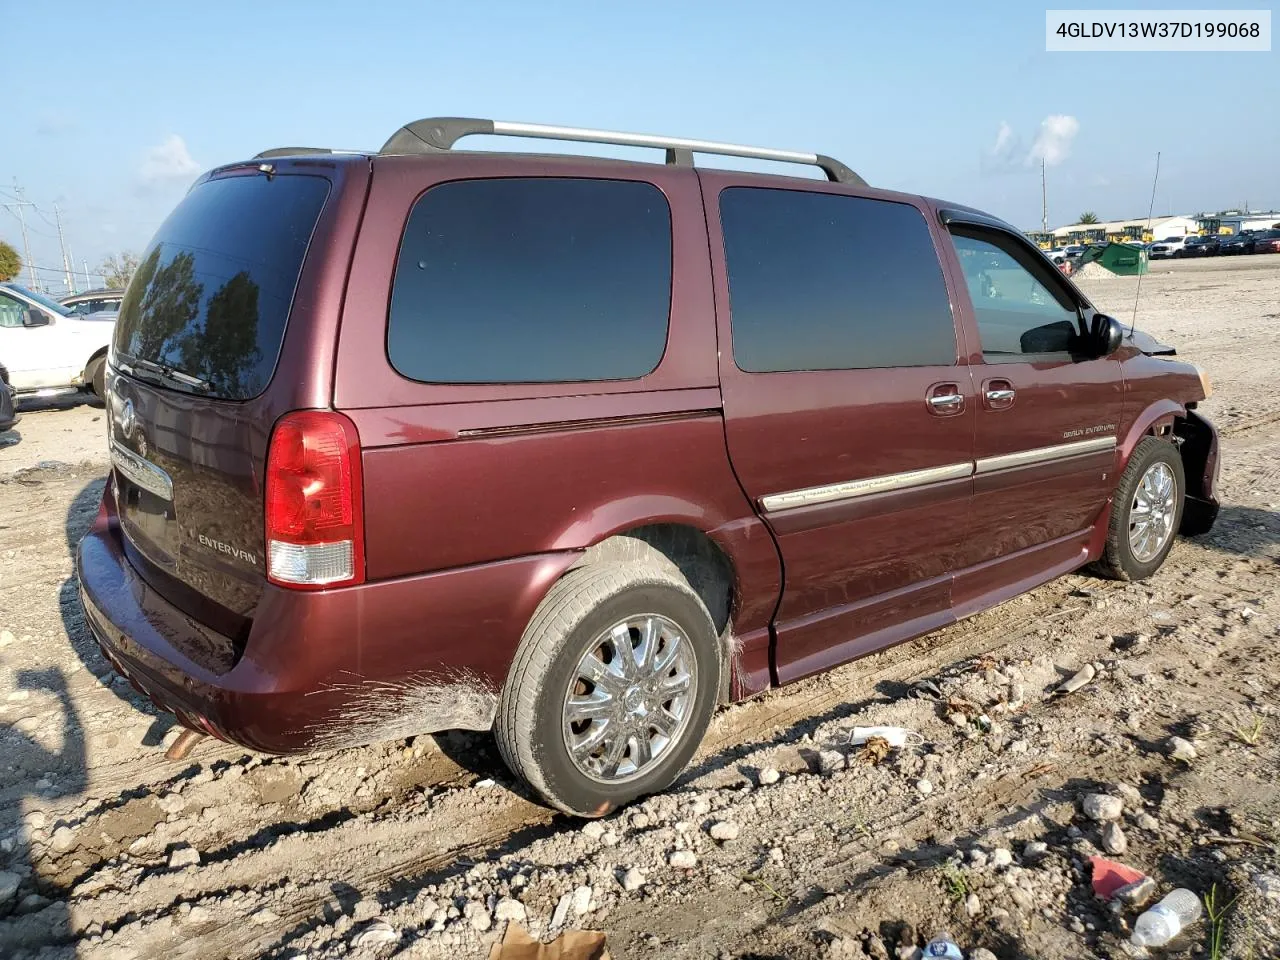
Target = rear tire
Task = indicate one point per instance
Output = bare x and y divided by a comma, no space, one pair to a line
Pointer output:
1146,512
579,622
95,375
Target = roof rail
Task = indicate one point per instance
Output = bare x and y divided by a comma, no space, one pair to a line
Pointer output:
290,152
436,134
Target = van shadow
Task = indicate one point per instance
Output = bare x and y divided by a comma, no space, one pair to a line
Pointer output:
1246,531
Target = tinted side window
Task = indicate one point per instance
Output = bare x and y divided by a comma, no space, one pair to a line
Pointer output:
820,281
1017,314
10,312
532,280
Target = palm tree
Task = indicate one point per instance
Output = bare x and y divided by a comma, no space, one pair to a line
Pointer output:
1088,217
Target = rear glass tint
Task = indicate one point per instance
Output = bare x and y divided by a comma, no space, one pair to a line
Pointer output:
823,281
532,280
210,299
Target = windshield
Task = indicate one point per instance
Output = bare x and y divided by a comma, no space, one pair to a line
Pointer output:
207,308
51,305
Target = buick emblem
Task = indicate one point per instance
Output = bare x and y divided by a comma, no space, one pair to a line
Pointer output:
128,420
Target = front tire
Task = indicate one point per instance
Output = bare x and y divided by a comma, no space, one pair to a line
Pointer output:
1146,512
612,687
95,375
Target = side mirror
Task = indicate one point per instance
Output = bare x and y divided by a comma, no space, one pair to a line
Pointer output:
1105,334
32,317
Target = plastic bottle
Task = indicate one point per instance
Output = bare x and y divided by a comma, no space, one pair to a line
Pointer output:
1161,923
943,946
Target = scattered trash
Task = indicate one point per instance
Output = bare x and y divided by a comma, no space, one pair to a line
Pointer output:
1157,926
943,946
962,706
896,736
874,749
925,690
1110,876
1136,894
1083,676
573,945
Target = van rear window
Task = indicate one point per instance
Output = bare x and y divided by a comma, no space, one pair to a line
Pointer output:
206,310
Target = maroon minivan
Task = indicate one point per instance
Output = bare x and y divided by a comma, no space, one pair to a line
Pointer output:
577,449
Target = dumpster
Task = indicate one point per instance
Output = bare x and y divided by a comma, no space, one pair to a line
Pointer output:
1120,258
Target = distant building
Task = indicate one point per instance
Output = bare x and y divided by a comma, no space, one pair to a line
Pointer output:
1235,222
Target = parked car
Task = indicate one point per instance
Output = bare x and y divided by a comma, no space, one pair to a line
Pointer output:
1201,246
1074,250
1169,247
1266,241
101,302
8,415
423,439
47,348
1236,243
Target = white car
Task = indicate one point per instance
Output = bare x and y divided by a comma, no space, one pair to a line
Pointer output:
46,348
1168,247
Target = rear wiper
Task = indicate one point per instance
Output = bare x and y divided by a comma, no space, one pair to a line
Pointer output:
165,376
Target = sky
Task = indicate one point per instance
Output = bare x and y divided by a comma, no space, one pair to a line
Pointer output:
114,109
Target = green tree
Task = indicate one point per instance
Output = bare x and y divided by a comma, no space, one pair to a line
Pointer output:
1088,217
118,269
170,299
225,352
10,262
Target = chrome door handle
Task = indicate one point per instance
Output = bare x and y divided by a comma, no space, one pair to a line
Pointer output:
946,401
996,396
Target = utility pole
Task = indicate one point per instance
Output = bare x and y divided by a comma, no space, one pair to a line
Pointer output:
66,263
1044,201
26,245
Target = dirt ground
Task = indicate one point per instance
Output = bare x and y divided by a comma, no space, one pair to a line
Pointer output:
780,841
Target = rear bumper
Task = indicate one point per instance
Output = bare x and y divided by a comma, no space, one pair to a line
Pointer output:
326,669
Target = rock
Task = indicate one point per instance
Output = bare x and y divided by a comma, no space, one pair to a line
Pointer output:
958,720
561,912
1146,821
683,860
1113,839
9,883
972,906
183,856
1180,749
1034,851
909,951
1136,894
701,807
1023,899
876,949
6,638
1267,884
63,839
581,902
199,914
510,910
1102,807
376,934
632,880
981,953
1129,794
264,916
477,914
829,761
1018,746
925,787
1001,857
724,830
594,830
978,857
769,776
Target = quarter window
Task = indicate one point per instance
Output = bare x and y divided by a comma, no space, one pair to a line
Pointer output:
532,280
1017,313
824,281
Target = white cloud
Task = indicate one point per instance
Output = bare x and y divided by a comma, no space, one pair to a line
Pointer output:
1004,140
1053,142
168,160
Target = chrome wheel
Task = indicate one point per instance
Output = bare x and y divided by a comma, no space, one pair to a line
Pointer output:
630,698
1151,515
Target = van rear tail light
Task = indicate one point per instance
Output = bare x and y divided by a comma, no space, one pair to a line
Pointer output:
314,501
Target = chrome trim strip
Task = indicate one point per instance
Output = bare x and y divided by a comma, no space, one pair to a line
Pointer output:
142,472
649,140
1026,458
861,488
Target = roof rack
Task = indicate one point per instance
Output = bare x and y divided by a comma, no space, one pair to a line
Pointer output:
437,134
